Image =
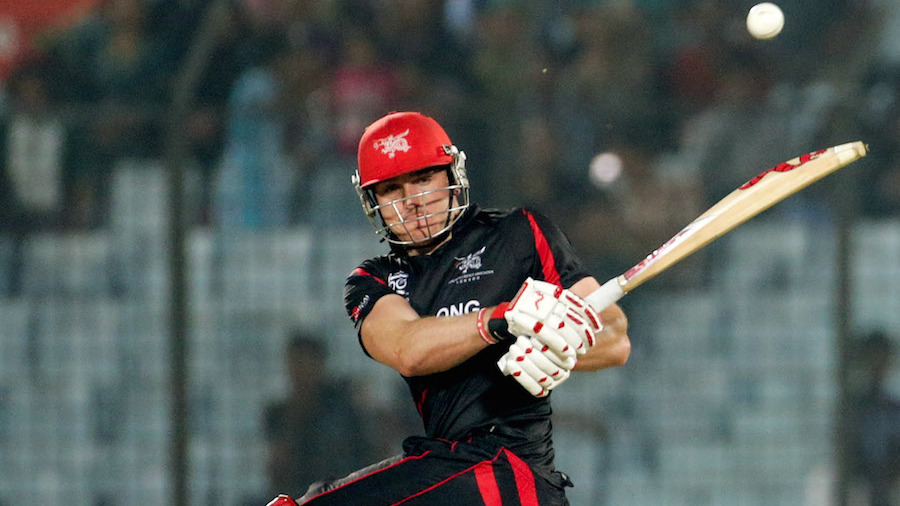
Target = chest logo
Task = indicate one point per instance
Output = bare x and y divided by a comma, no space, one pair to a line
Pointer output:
398,281
470,262
392,143
470,268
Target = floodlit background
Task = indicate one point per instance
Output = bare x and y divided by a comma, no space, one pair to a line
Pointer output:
176,210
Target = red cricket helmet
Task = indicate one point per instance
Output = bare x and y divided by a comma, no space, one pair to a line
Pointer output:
399,143
404,142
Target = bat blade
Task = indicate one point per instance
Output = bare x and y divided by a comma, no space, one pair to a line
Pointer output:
753,197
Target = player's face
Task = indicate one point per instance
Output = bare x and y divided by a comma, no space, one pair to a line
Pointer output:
415,206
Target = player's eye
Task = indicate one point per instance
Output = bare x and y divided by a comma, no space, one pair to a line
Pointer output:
387,189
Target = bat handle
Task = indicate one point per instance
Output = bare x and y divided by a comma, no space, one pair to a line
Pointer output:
608,293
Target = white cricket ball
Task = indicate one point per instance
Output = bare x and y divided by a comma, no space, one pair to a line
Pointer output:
765,20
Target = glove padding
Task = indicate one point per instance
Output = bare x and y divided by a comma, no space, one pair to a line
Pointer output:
535,366
554,326
557,316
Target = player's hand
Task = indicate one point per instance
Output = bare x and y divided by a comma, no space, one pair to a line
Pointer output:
561,318
534,366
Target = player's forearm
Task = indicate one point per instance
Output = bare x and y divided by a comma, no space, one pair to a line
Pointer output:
612,346
438,344
396,336
604,355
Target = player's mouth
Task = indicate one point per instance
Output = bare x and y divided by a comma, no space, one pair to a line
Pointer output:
421,224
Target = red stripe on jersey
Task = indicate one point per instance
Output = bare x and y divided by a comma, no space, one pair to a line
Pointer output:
487,484
524,480
548,263
359,271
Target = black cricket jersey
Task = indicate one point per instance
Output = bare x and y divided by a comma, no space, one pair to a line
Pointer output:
483,264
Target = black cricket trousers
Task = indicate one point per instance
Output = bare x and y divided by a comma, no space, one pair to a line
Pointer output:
436,472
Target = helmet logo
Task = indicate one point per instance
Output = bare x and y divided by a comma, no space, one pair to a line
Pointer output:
392,143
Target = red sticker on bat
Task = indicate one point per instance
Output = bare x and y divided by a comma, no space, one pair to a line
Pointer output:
657,253
647,262
782,167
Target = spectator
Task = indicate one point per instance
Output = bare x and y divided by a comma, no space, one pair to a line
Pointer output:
318,429
743,124
609,81
876,421
879,121
42,182
364,86
33,144
115,62
432,65
414,33
505,65
175,25
359,86
256,178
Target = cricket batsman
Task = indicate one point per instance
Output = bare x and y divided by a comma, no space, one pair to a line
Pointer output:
462,289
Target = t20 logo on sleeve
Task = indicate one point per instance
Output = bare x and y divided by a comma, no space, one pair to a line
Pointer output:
399,281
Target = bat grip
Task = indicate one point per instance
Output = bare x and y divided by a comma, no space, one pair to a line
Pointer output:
608,293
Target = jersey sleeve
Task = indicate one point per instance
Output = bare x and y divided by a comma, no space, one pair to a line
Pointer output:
556,261
364,286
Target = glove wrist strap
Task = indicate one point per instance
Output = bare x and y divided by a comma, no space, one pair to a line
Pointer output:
495,329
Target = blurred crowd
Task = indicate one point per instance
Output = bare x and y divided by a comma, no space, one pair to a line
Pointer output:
621,119
617,117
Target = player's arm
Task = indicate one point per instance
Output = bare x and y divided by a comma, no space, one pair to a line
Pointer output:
612,346
395,335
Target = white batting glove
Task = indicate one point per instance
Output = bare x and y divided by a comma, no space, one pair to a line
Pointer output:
534,306
534,366
539,305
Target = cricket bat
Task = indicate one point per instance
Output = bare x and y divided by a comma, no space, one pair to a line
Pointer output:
748,200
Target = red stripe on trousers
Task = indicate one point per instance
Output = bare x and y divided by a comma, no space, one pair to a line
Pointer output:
487,484
524,480
548,263
464,471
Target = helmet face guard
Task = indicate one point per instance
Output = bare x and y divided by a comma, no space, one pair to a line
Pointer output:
458,200
403,143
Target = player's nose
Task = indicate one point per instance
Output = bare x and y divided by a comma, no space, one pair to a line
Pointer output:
410,195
